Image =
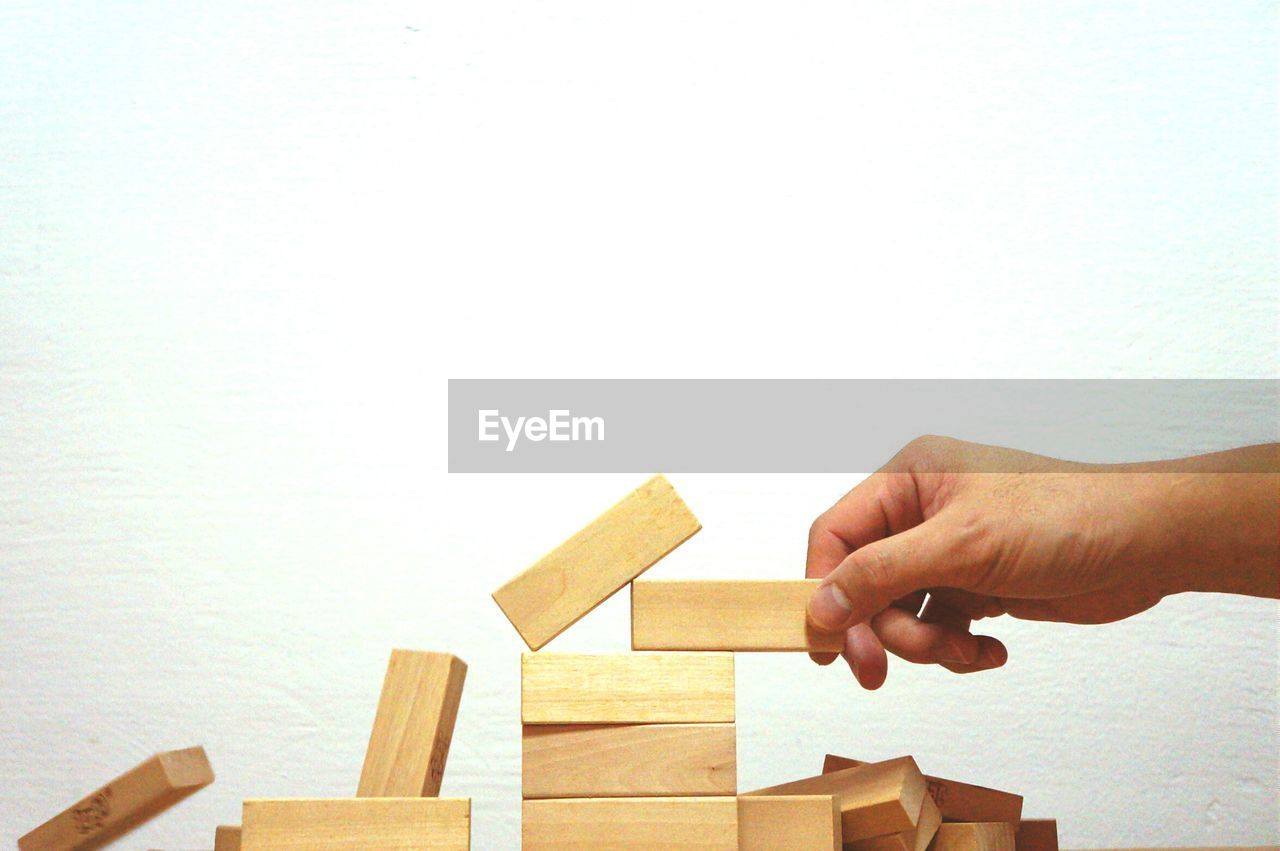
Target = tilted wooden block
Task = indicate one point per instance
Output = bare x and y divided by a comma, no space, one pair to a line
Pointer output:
627,688
874,800
788,823
356,824
629,760
594,564
742,615
1037,834
957,801
974,836
227,838
915,839
126,802
413,726
631,824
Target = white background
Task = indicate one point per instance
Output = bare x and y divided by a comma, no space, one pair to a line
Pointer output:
242,245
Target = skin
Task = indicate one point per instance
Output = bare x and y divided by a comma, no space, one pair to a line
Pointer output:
949,532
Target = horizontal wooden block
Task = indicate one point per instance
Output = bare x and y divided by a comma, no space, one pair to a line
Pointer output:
227,838
915,839
957,801
631,824
974,836
629,760
356,824
874,800
627,688
1037,834
738,615
594,564
139,794
413,726
788,823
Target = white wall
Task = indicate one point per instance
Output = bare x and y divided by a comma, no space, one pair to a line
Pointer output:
242,245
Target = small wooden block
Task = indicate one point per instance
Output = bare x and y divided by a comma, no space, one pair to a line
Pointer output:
788,823
630,760
631,824
1037,834
957,801
627,688
413,726
874,800
356,824
974,836
734,615
594,564
126,802
226,838
916,839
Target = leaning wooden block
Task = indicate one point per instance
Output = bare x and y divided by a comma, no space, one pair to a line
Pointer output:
1037,834
974,836
227,838
356,824
957,801
630,824
915,839
413,726
874,800
627,688
594,564
126,802
629,760
788,823
726,615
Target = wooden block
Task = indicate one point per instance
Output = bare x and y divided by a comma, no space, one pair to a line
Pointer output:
957,801
1037,834
974,836
413,726
631,824
227,838
627,688
734,615
356,824
915,839
874,800
788,823
594,564
630,760
126,802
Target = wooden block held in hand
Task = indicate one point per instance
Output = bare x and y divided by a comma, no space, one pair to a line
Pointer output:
356,824
630,824
957,801
627,688
740,615
1037,834
594,564
629,760
227,838
788,823
126,802
974,836
874,800
413,725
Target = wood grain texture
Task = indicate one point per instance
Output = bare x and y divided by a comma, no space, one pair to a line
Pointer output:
1037,834
957,801
915,839
595,563
788,823
627,688
741,615
974,836
356,824
139,794
629,760
413,726
631,824
227,838
874,800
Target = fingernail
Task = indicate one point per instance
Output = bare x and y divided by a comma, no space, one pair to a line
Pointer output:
953,653
829,609
992,658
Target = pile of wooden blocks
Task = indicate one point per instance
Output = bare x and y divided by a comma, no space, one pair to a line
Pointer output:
638,750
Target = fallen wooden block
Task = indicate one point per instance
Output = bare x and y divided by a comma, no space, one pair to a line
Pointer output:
356,824
974,836
629,760
630,824
788,823
594,564
139,794
627,688
874,800
1037,834
915,839
738,615
957,801
413,726
227,838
